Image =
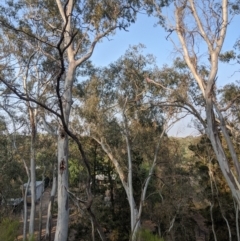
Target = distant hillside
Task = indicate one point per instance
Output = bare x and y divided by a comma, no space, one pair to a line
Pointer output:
184,143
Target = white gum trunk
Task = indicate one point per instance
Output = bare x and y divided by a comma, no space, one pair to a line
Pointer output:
32,114
134,213
136,222
230,177
33,196
40,220
63,210
49,213
32,117
25,218
129,189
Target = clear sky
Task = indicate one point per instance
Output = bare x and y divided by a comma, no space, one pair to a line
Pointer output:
154,38
143,31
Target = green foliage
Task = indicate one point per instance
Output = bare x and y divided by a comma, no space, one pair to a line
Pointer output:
74,171
227,56
229,92
9,229
12,170
146,235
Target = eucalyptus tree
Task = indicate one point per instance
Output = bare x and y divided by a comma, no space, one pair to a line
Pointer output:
201,28
188,97
66,35
30,80
12,174
119,115
32,87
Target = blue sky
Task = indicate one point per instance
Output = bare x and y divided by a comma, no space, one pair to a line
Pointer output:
143,31
154,38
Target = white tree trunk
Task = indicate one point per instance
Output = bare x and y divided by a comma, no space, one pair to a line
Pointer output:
49,213
212,133
33,192
25,218
40,210
93,229
131,201
32,117
40,220
63,210
136,218
236,217
32,114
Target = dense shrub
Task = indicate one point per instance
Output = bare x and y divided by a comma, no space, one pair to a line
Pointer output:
9,229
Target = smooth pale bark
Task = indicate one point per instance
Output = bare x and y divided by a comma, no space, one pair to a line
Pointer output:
25,211
40,220
237,222
214,46
65,103
32,115
211,205
25,202
40,211
220,153
93,229
33,181
49,213
135,219
65,107
131,201
63,209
